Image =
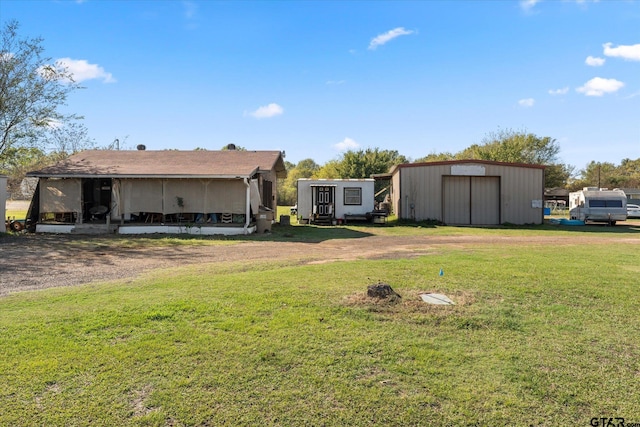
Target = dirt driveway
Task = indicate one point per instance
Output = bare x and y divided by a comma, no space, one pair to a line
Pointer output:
29,262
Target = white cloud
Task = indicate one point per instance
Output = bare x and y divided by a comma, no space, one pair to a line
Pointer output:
628,52
346,144
267,111
599,86
594,62
561,91
81,70
528,5
527,102
335,82
388,36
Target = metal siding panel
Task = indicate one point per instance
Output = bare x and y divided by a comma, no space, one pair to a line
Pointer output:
396,194
519,187
485,200
426,183
456,200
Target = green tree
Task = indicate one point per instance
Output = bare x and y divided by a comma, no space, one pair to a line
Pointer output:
288,188
436,157
558,175
598,174
329,170
630,169
20,160
514,147
522,147
32,90
364,163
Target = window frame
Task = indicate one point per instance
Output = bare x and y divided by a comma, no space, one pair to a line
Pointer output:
348,199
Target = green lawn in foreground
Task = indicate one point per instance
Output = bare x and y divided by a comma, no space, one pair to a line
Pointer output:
541,335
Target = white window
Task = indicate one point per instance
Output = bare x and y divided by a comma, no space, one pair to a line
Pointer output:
353,196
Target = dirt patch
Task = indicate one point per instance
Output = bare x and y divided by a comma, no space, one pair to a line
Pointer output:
31,262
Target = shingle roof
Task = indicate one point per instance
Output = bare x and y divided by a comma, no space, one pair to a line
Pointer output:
169,163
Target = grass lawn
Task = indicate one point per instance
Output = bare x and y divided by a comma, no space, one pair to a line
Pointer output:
541,335
17,214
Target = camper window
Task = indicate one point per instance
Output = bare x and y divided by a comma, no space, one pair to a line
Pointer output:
603,203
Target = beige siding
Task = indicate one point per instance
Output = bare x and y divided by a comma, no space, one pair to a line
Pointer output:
456,200
485,200
500,194
422,187
396,207
520,187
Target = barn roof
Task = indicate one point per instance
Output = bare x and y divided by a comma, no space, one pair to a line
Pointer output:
459,162
167,163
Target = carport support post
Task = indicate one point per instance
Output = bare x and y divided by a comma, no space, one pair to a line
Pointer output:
247,214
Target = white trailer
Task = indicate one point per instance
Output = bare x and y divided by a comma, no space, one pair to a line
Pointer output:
598,205
330,201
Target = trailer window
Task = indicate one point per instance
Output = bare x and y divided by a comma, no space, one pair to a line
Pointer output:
604,203
353,196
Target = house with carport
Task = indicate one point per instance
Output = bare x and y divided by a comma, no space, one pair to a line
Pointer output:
144,191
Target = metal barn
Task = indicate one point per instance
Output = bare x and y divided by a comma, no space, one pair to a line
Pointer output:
469,192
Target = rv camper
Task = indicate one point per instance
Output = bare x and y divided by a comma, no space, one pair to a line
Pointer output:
598,205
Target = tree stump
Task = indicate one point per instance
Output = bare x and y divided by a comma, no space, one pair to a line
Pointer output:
382,291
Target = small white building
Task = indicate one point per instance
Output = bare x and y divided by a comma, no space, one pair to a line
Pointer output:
598,205
326,200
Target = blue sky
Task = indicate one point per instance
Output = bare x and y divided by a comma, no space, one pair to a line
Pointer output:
315,78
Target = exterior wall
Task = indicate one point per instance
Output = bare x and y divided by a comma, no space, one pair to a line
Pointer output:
520,188
305,190
3,202
272,177
486,193
395,195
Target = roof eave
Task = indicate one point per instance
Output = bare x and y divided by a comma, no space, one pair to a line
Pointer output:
181,176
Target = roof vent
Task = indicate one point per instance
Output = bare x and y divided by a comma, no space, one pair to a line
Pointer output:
231,146
141,147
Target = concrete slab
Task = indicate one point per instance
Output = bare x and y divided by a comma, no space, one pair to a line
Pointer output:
437,299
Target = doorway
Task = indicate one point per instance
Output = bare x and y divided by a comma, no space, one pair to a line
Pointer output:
96,198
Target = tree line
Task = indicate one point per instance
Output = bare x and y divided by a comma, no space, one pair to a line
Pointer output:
35,133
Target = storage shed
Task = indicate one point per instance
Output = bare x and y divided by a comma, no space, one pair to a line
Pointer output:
469,192
335,199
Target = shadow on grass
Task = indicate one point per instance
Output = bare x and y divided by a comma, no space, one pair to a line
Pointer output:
305,234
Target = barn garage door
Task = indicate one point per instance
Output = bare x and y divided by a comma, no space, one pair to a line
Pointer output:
471,200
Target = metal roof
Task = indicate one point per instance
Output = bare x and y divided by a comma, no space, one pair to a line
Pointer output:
167,163
458,162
